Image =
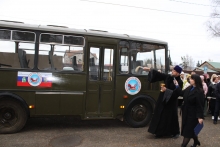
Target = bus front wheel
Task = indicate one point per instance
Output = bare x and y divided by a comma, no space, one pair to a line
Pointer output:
138,113
13,116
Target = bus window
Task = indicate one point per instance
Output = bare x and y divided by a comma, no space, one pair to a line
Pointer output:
147,56
73,58
8,57
108,64
23,36
28,48
141,59
160,60
54,57
123,60
65,52
94,63
5,34
12,58
51,38
44,62
16,54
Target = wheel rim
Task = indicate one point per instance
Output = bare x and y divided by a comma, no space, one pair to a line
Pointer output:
139,112
8,117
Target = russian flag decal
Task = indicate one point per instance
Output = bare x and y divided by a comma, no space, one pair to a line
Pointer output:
36,79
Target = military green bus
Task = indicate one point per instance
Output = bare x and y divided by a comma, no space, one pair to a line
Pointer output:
59,71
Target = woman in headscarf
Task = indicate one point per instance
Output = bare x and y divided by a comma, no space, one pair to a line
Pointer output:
187,84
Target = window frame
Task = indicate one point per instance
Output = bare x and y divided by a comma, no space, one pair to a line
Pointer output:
62,44
19,40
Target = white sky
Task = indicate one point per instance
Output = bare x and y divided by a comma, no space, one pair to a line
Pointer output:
185,34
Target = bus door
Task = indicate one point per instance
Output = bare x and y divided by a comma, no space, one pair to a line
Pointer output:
100,88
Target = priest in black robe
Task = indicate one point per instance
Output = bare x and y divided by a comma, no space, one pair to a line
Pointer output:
165,118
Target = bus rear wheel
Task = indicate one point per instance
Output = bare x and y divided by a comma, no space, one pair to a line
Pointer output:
13,116
138,114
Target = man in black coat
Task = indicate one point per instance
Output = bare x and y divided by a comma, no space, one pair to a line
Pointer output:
165,118
212,95
217,103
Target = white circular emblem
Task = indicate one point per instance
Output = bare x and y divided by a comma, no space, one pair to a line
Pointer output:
34,79
132,85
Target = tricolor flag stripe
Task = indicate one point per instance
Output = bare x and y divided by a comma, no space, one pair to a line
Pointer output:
46,84
19,83
22,79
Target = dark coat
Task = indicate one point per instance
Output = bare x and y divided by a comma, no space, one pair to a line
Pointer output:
217,91
165,118
192,109
211,90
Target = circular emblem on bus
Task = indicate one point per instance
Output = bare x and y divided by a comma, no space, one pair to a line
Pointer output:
34,79
132,85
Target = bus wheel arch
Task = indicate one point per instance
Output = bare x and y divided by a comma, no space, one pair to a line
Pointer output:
139,111
13,113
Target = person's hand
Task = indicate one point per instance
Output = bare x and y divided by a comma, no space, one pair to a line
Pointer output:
175,82
200,120
163,89
146,68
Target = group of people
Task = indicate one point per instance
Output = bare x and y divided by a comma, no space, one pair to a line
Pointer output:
194,91
211,103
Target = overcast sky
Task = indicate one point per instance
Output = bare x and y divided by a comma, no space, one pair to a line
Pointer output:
185,34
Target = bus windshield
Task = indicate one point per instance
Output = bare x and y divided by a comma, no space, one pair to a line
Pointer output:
139,56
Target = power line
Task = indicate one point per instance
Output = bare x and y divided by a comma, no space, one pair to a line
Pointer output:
193,3
137,7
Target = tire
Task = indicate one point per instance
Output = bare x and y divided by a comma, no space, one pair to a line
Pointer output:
13,116
138,113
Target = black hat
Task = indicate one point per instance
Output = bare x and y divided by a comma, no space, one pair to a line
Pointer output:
178,69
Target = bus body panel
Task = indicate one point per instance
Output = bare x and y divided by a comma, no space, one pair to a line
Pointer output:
120,92
65,96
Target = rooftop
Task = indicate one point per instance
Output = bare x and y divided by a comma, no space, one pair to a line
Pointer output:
214,64
202,69
62,29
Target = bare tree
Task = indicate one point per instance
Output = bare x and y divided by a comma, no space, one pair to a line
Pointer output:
213,23
187,61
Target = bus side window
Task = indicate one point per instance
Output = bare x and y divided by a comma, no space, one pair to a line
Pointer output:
142,59
9,60
123,68
93,69
108,65
73,58
24,58
60,58
44,58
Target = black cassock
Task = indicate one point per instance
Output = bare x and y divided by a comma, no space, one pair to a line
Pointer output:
165,118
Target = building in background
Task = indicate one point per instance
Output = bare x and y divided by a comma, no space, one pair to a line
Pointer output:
68,57
208,68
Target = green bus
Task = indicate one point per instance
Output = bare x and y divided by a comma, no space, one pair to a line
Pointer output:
59,71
